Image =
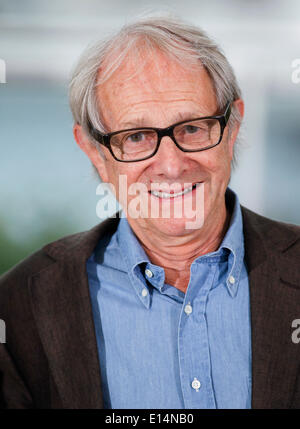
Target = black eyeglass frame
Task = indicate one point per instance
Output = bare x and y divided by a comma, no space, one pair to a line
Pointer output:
104,139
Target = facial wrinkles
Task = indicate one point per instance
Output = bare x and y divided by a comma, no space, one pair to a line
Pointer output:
149,90
158,95
146,98
130,113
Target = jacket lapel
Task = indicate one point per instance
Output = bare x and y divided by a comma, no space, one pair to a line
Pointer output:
274,301
63,313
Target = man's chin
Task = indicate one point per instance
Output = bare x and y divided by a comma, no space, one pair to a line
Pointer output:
174,227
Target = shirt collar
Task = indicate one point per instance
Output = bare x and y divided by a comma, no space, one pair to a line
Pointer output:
137,261
135,258
234,242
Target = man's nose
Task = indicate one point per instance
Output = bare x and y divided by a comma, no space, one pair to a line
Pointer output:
170,161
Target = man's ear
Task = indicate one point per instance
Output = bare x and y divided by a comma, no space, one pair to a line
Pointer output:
91,151
239,104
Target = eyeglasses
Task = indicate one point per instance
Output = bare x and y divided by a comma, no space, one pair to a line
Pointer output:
138,144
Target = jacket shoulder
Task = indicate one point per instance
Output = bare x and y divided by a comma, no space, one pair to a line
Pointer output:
279,234
34,263
80,244
268,222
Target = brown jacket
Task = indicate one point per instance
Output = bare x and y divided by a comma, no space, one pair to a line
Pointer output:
50,358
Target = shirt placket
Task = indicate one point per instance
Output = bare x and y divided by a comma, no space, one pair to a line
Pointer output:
193,346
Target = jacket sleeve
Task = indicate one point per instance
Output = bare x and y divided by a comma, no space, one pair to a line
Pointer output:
13,393
23,365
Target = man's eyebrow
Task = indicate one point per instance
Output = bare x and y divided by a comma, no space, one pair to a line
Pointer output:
142,121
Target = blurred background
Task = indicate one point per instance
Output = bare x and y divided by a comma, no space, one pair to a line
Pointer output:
47,186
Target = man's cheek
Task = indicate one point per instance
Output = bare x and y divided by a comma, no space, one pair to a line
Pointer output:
122,189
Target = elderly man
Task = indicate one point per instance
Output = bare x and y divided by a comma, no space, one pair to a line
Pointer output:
193,309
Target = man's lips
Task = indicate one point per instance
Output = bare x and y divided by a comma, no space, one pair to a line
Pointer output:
173,193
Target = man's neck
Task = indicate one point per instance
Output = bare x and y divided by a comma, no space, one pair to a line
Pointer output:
176,258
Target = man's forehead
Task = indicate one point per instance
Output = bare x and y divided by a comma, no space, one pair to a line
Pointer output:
152,69
158,82
177,116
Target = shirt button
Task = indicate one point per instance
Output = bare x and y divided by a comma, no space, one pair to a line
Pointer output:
188,309
196,384
144,292
231,280
148,273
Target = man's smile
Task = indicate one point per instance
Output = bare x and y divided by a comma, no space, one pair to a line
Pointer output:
163,194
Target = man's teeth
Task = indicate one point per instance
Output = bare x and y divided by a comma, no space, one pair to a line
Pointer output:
167,195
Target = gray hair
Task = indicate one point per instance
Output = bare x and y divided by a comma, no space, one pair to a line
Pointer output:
184,43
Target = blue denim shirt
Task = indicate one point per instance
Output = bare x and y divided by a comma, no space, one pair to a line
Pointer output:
162,348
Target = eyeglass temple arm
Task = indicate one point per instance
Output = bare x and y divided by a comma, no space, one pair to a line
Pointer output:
227,112
97,135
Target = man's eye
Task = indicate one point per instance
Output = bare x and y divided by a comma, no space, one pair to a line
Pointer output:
191,129
136,137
